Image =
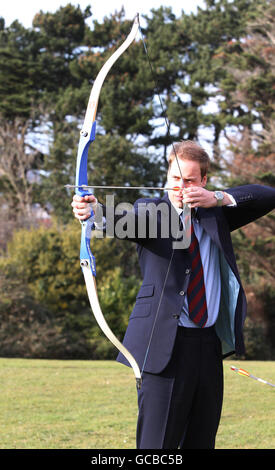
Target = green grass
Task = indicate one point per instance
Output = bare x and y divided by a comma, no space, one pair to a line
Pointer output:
49,404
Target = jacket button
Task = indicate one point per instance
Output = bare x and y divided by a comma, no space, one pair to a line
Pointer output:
187,271
175,315
181,292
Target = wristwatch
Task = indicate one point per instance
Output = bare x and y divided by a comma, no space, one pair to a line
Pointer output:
219,196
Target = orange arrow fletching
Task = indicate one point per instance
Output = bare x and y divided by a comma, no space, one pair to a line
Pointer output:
243,372
240,371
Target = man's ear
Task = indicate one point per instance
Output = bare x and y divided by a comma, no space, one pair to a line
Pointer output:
204,181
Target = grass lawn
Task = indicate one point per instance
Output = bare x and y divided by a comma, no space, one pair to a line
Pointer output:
50,404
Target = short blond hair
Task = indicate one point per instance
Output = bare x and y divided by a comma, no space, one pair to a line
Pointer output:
189,150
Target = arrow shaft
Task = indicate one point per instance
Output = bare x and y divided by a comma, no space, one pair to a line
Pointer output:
151,188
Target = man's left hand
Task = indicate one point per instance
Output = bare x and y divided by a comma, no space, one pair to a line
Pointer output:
196,196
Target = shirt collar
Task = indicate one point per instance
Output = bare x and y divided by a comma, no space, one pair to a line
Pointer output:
179,210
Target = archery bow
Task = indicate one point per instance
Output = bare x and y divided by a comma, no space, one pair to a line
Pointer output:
87,260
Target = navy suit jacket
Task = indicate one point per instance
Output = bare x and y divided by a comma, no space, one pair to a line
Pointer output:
157,310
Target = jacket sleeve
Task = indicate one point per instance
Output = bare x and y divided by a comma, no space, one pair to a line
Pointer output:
253,201
141,223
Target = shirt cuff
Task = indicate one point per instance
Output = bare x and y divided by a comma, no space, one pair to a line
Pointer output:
233,202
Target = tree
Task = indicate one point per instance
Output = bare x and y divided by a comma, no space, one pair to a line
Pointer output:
18,161
19,71
251,66
198,103
44,307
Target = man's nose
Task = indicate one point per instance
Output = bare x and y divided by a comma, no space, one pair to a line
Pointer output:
181,184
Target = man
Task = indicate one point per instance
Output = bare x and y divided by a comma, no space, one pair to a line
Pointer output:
191,307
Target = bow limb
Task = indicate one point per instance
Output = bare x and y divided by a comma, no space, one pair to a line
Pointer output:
87,260
88,132
92,293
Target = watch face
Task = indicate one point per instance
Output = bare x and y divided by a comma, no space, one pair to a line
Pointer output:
219,195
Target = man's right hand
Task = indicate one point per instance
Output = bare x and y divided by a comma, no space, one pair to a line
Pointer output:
82,206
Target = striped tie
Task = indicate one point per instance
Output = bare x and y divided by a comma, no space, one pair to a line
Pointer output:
196,289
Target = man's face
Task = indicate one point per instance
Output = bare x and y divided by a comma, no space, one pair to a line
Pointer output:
190,171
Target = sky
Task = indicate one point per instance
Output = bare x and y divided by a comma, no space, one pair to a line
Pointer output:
25,11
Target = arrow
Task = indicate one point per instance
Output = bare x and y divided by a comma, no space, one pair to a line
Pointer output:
247,374
151,188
